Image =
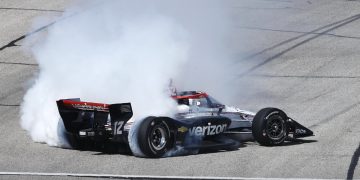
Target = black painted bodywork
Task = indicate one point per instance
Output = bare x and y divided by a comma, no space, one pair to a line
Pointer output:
100,125
106,123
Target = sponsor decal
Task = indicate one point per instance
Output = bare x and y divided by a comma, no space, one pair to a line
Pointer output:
207,130
90,107
300,131
182,129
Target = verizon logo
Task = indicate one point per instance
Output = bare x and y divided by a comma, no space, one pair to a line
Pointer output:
207,130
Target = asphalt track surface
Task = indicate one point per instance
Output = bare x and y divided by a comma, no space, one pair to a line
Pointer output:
298,55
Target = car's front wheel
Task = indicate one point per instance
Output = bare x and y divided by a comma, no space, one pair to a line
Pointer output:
269,126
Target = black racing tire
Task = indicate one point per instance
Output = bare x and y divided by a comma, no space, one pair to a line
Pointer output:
154,137
269,127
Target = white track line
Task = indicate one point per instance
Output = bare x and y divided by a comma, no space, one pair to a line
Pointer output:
114,176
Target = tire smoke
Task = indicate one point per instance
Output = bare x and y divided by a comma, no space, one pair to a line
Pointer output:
126,51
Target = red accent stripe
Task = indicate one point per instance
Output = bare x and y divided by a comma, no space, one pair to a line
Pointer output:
92,105
195,96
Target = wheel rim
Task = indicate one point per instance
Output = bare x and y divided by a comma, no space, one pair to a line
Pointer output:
275,128
157,137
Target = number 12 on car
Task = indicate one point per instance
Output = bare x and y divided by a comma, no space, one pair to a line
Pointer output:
117,127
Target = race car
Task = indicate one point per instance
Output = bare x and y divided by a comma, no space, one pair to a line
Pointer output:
201,123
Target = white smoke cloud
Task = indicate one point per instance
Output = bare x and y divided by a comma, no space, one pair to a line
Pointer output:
126,51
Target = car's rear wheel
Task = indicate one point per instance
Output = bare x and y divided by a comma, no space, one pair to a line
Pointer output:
154,137
269,126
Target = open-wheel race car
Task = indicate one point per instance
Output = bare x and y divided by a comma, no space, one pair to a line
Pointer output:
201,123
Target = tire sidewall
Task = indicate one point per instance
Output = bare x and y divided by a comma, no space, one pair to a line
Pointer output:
144,135
260,123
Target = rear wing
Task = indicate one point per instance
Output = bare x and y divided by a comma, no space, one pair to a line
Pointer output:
97,118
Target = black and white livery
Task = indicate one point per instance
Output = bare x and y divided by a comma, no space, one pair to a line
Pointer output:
201,123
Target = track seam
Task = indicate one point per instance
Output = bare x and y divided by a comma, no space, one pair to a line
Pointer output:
29,9
9,105
298,37
19,63
13,42
338,25
306,77
113,176
298,32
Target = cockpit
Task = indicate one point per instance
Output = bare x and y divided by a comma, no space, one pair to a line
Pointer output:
197,100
